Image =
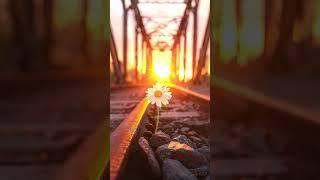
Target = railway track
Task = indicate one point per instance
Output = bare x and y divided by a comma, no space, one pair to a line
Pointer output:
122,101
255,137
187,116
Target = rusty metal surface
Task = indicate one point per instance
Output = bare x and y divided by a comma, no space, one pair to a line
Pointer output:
121,139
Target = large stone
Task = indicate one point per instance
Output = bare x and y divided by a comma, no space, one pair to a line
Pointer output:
184,140
199,125
168,125
175,133
174,170
192,133
159,138
185,129
147,135
188,156
196,123
165,151
150,127
149,156
168,128
205,150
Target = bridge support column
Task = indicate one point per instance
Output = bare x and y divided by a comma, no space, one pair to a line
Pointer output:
195,37
149,59
203,52
116,62
125,39
136,55
184,54
174,63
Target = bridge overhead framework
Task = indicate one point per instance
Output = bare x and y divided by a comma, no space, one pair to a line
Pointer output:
166,31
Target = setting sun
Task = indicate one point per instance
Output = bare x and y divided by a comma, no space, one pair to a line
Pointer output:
162,71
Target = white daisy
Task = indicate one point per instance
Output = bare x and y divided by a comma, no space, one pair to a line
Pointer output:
159,95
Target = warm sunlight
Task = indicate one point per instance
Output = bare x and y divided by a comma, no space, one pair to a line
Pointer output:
162,71
161,63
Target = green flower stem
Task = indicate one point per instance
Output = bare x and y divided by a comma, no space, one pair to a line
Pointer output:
157,122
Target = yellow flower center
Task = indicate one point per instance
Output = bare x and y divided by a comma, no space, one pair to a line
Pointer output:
157,93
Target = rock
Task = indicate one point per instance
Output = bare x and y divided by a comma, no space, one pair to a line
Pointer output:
168,125
195,138
202,125
175,133
149,156
150,127
192,133
205,140
168,131
184,140
196,141
205,151
159,138
168,128
163,152
189,157
147,135
184,129
174,170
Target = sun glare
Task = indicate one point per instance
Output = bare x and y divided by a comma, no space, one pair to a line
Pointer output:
162,71
161,64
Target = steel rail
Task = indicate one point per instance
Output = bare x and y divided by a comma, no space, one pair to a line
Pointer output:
122,138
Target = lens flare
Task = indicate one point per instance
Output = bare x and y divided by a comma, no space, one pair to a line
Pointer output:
162,71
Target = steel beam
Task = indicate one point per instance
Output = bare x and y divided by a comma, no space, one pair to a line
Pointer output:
174,63
183,22
115,58
195,37
184,54
125,40
139,21
179,56
136,52
149,59
144,54
203,51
